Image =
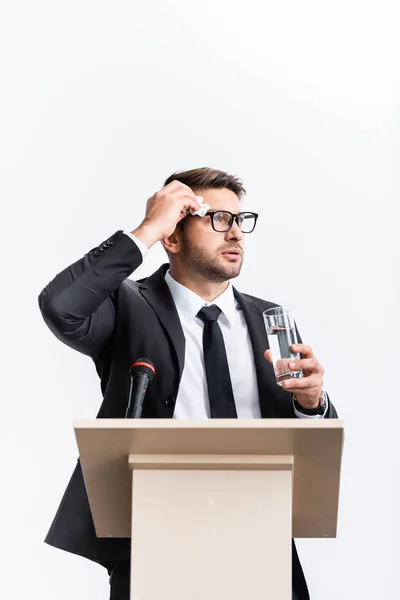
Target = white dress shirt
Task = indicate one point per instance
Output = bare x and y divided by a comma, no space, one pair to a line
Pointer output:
192,399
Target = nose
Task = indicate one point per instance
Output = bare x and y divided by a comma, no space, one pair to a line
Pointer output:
234,233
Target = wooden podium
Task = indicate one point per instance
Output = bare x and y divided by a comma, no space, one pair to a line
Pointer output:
211,506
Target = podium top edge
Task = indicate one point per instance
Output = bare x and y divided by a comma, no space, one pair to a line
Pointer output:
235,424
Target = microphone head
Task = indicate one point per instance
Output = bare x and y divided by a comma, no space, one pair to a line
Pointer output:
143,366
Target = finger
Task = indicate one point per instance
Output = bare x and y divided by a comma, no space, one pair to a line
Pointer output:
171,187
177,185
186,207
303,349
189,203
185,199
182,194
303,383
268,355
306,364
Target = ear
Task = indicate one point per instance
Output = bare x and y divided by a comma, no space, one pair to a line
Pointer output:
172,243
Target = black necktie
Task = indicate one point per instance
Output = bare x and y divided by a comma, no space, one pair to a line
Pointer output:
222,403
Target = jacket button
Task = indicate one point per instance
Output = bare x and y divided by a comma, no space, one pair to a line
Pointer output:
97,252
169,401
109,242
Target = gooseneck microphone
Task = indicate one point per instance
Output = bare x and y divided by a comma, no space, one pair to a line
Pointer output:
142,372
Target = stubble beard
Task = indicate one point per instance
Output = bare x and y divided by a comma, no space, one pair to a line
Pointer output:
199,261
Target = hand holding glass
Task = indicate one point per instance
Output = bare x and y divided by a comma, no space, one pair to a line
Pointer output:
281,333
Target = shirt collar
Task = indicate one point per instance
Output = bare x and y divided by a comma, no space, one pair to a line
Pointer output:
188,303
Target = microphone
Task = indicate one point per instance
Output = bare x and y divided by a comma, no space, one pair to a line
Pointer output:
142,372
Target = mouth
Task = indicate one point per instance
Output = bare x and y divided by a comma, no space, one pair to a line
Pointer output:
232,254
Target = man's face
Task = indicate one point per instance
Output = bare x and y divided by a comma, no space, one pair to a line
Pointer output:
206,251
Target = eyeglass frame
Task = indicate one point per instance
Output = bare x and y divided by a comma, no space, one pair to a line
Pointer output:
234,217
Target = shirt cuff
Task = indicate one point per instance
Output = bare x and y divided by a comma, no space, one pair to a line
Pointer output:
142,247
301,415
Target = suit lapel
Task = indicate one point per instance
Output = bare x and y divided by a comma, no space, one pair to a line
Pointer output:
156,292
258,336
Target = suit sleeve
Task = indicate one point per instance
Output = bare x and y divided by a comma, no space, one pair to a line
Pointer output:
78,304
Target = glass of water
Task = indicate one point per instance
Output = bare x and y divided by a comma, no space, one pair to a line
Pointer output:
281,332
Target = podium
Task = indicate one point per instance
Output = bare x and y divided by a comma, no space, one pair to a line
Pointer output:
211,506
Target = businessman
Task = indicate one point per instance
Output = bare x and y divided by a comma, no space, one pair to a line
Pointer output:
190,321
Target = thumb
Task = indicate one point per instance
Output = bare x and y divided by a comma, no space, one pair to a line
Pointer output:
268,355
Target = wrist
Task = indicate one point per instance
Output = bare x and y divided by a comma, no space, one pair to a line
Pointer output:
146,234
307,403
312,408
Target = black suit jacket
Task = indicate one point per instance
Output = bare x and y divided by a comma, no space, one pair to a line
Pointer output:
92,307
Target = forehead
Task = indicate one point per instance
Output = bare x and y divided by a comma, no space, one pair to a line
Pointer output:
220,199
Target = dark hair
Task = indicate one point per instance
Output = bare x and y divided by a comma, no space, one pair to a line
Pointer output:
205,178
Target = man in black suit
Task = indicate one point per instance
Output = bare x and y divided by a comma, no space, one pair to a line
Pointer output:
182,317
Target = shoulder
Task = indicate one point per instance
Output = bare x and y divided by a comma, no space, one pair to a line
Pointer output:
130,285
260,303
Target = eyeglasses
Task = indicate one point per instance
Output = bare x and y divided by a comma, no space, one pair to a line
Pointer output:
222,220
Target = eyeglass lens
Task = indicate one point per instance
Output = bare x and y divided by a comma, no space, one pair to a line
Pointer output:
222,221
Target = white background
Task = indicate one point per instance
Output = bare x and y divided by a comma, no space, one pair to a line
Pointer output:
100,102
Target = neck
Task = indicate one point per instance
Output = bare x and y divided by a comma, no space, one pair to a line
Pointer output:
208,290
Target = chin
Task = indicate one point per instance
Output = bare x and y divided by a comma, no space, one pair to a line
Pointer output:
235,272
226,272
